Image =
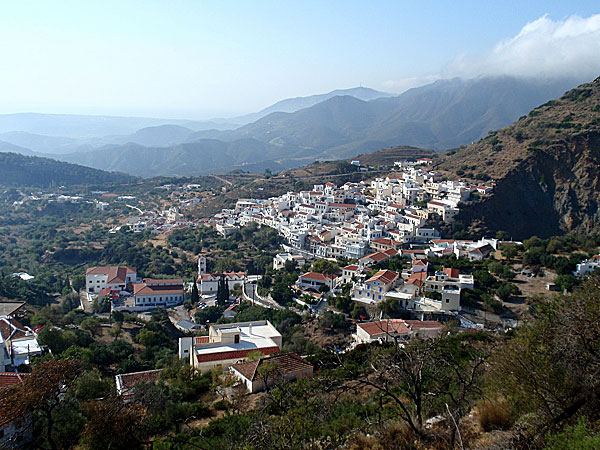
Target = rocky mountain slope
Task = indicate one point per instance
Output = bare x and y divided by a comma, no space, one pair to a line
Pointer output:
546,168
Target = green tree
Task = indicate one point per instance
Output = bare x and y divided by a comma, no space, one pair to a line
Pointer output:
325,266
91,325
195,294
507,290
502,235
510,252
549,370
222,291
78,282
566,282
118,316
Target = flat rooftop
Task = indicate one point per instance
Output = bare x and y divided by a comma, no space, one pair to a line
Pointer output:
8,308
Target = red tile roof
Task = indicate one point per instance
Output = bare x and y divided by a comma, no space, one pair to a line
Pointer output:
382,327
342,205
386,241
10,378
169,281
115,274
317,276
385,276
417,278
130,380
434,203
398,326
452,273
286,364
145,289
424,324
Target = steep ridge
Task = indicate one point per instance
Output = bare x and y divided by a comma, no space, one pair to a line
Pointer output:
546,168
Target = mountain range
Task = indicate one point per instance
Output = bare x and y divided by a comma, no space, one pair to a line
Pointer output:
294,132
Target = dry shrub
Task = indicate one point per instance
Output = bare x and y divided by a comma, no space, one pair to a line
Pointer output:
397,435
494,414
394,436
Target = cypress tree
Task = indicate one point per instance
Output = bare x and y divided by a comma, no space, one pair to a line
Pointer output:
195,294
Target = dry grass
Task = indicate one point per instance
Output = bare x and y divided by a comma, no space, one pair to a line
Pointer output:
395,436
494,414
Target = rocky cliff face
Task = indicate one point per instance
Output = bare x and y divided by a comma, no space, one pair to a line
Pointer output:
546,167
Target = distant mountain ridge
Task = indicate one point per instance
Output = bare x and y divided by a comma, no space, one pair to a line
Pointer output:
291,105
7,147
546,168
64,133
444,114
30,171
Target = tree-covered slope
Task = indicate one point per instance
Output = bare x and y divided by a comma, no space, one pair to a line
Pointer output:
19,170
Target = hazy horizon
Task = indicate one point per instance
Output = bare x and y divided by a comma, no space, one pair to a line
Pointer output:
197,62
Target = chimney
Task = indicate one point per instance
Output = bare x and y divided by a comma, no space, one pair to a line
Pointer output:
250,329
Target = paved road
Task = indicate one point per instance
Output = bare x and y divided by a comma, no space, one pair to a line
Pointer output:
250,293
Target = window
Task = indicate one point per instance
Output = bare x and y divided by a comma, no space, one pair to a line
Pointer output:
236,339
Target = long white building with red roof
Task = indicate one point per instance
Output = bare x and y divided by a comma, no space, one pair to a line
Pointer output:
154,293
228,344
314,280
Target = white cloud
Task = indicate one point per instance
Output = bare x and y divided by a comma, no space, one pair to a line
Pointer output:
543,48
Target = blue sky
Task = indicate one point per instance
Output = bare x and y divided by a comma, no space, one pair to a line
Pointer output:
197,59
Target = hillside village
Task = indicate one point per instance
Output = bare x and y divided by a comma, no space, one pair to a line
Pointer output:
355,264
193,303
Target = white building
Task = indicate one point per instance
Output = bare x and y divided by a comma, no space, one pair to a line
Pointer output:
228,344
314,280
208,283
154,293
374,289
18,343
113,277
587,266
280,259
